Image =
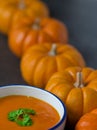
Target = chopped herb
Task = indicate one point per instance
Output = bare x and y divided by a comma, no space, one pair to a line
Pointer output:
25,121
12,116
29,111
21,116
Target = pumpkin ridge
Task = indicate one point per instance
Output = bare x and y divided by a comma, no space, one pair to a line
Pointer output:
69,93
28,41
86,72
40,50
51,68
82,101
37,62
22,48
57,87
86,96
44,24
39,36
44,58
50,36
59,24
91,76
67,63
92,84
52,85
11,18
73,106
68,48
17,48
30,81
70,55
92,88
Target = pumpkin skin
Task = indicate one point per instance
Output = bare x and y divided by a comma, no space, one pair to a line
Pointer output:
79,97
39,62
9,8
28,32
88,121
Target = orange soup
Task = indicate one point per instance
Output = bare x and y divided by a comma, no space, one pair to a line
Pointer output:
44,118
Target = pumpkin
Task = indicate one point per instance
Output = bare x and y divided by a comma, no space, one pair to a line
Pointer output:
88,121
28,32
39,62
77,88
9,8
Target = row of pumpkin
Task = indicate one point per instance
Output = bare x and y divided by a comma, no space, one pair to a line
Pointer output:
48,61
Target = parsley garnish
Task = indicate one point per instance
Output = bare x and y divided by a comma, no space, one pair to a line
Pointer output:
21,116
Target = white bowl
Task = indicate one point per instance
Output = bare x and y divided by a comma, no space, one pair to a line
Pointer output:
40,94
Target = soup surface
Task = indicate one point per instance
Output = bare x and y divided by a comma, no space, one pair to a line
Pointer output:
46,116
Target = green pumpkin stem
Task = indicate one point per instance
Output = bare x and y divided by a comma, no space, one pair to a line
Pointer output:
79,80
22,4
52,52
36,24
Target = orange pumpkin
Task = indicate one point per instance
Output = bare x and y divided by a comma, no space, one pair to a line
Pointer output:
9,8
88,121
39,62
77,88
35,31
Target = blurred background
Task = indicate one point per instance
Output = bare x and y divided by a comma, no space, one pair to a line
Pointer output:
80,18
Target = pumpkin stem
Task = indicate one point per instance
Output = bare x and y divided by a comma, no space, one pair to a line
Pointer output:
36,24
52,52
79,80
21,4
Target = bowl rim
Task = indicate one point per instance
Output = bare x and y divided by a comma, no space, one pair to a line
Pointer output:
64,117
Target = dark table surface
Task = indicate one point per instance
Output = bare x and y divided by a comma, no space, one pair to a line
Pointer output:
79,16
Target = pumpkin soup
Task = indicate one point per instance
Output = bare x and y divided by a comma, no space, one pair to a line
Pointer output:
26,113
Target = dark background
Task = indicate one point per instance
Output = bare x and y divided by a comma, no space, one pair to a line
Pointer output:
80,17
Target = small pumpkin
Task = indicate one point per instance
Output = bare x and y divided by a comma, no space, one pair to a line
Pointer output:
10,8
88,121
77,88
28,32
39,62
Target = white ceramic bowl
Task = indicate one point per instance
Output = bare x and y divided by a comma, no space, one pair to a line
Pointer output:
40,94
